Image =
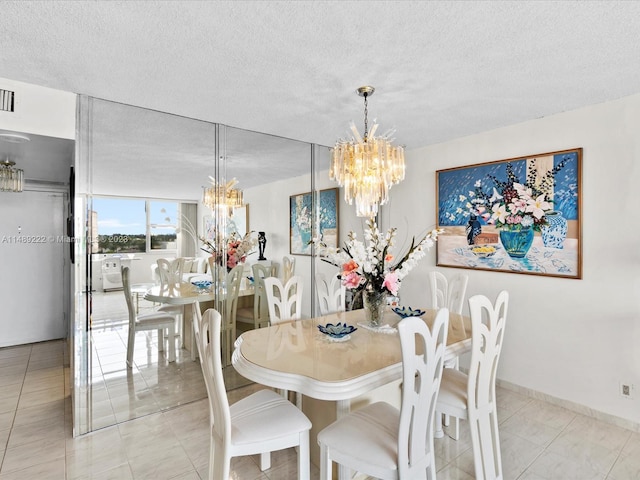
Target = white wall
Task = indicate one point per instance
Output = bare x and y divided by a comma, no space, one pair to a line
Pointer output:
40,110
52,113
575,340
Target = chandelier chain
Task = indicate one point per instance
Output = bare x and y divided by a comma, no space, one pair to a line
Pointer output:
366,113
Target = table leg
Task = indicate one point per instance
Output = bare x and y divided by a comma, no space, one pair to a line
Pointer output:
196,316
438,432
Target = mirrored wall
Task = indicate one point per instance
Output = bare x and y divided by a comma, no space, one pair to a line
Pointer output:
140,176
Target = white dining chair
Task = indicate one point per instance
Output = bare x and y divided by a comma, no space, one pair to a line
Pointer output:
331,294
285,305
382,442
261,423
284,301
256,315
170,272
170,275
288,268
473,396
449,293
151,321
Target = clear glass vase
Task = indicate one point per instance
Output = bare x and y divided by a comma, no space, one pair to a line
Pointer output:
374,303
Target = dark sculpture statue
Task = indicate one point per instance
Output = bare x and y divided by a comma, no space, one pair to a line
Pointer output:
262,243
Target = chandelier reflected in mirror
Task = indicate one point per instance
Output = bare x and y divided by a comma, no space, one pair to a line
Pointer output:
11,178
367,166
222,196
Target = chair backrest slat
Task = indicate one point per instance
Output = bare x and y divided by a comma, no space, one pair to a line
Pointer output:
208,341
284,301
170,272
422,362
449,293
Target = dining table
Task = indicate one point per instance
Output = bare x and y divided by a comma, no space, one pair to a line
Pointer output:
187,294
296,356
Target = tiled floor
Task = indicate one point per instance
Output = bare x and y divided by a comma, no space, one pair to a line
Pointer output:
539,440
152,384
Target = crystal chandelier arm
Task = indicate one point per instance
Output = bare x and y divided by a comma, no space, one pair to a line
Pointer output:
373,129
356,133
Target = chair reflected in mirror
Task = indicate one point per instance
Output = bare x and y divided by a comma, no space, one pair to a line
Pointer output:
159,321
288,268
331,294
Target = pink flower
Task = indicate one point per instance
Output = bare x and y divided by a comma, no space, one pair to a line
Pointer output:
351,280
391,282
388,257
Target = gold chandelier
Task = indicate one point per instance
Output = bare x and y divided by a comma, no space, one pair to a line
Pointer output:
222,196
367,166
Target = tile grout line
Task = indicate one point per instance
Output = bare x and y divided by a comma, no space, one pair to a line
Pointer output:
15,412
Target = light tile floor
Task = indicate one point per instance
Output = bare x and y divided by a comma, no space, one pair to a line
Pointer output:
539,440
152,384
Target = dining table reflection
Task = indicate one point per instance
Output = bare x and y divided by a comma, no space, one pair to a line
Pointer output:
188,294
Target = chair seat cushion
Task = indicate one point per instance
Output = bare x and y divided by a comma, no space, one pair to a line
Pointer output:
155,318
171,309
368,436
453,391
265,415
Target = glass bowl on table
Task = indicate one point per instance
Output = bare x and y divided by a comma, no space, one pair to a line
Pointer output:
405,312
339,332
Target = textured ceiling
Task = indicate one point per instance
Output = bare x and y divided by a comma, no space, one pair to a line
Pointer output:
442,70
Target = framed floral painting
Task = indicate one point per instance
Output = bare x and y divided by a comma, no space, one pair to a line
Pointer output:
521,215
313,218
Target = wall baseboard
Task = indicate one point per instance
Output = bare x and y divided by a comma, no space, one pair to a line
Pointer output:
574,407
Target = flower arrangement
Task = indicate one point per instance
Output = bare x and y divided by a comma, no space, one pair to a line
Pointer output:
370,266
236,249
516,205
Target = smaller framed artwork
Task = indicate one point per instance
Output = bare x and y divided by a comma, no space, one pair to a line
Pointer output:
310,218
209,228
521,215
239,221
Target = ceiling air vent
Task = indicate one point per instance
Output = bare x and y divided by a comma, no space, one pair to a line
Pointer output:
6,100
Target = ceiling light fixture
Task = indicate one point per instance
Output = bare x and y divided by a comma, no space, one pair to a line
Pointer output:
14,138
222,196
367,166
11,178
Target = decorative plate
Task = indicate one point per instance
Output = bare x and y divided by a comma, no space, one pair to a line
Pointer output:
405,312
337,331
202,284
483,251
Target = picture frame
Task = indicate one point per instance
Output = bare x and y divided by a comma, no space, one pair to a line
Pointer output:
313,217
208,228
239,221
519,215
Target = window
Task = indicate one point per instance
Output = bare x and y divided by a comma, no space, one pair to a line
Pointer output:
162,224
126,225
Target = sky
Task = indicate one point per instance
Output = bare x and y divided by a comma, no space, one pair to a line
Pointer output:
127,216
